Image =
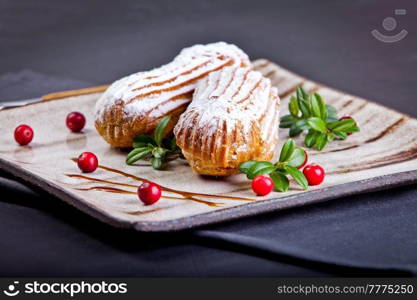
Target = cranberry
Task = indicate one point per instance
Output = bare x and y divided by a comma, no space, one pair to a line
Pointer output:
149,192
262,185
75,121
87,162
23,134
314,174
305,161
344,118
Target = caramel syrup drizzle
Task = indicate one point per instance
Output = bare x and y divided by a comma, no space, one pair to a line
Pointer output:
121,191
185,195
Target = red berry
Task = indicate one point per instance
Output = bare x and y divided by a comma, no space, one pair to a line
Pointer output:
149,192
262,185
23,134
87,162
305,160
344,118
314,174
75,121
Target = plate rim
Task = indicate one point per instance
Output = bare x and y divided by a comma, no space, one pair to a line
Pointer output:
325,194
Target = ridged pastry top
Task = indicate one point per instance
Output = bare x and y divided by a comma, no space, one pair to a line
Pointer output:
237,96
156,92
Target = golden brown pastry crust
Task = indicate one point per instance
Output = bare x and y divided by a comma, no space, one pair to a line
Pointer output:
119,130
133,105
234,117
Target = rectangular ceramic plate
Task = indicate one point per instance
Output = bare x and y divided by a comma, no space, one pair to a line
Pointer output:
383,154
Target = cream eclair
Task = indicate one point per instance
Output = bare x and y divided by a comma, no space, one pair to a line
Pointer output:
234,117
133,105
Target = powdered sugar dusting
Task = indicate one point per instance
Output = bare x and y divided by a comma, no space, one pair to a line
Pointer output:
238,96
142,92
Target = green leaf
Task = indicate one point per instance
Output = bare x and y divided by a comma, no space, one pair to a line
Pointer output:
297,158
137,154
331,114
318,107
287,121
330,136
304,107
160,129
302,101
318,118
321,141
317,124
298,176
159,152
331,109
342,126
301,93
173,144
260,167
298,127
142,141
323,108
293,106
332,125
295,131
265,170
281,182
302,124
315,107
287,150
281,170
157,163
341,135
245,166
352,129
311,138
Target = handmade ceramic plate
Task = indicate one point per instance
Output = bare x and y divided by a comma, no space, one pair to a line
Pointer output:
383,154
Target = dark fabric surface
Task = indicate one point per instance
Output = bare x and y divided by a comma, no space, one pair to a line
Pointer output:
96,42
27,84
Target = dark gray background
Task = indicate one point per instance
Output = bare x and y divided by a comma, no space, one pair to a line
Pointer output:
50,45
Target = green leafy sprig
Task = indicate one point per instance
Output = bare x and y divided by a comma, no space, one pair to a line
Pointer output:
290,158
156,148
320,120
